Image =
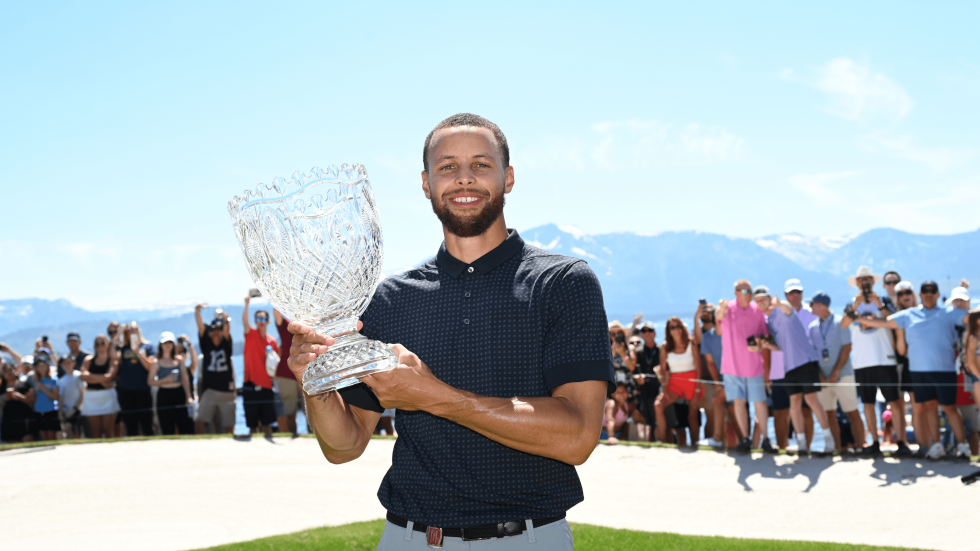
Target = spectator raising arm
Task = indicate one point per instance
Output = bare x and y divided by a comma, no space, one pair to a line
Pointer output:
201,329
13,353
246,327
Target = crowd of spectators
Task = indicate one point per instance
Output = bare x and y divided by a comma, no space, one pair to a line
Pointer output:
760,355
746,359
130,387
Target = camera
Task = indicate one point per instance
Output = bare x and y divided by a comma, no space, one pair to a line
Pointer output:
849,312
620,339
866,291
752,341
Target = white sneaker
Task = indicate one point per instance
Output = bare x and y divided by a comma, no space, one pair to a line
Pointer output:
828,445
962,451
714,443
936,451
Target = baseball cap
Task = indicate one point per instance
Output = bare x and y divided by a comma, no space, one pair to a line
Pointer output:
761,290
821,297
28,359
218,324
647,325
793,285
73,336
928,283
38,358
903,286
167,336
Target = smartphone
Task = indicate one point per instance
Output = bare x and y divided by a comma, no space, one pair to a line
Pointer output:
751,340
254,293
44,338
134,341
702,302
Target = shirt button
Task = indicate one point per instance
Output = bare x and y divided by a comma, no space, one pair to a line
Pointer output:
470,269
467,295
466,321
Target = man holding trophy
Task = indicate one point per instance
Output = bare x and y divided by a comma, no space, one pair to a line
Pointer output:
503,365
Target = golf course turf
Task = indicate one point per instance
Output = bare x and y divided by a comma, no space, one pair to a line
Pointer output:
364,536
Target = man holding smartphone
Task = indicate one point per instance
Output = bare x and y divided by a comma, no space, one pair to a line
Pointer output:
745,365
216,382
504,367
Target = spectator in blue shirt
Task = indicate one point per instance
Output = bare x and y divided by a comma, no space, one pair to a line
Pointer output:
709,341
47,394
833,345
928,332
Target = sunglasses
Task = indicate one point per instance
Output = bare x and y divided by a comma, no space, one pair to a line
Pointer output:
795,293
647,330
101,343
744,291
673,327
929,291
892,282
904,293
261,318
634,343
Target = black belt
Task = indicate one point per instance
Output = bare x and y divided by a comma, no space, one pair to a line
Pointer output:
484,532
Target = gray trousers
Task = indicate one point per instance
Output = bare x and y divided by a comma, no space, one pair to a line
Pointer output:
556,536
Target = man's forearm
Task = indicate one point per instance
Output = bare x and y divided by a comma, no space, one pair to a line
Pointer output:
555,427
338,428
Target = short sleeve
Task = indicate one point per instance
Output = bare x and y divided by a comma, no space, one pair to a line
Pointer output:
845,336
957,315
576,338
902,319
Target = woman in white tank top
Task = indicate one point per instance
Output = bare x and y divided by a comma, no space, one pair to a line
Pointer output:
680,365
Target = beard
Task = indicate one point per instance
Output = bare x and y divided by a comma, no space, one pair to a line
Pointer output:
472,225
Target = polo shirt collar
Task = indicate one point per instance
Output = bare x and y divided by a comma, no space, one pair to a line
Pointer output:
486,263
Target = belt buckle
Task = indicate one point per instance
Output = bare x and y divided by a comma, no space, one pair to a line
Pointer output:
433,537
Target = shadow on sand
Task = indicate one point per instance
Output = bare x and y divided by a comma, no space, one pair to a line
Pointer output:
906,471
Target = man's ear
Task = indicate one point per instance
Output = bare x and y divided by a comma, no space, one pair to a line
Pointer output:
508,179
425,185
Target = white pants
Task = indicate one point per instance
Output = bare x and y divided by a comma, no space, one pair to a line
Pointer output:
556,536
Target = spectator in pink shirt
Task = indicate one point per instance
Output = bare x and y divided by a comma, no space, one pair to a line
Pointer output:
744,364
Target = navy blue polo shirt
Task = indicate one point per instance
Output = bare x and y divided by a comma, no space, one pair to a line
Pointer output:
519,321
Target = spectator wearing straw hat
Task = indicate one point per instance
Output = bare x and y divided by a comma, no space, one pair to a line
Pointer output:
873,357
930,331
833,346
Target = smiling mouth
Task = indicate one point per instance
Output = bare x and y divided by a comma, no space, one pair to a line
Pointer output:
463,200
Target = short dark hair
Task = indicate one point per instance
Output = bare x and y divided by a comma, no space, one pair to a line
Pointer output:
891,272
468,119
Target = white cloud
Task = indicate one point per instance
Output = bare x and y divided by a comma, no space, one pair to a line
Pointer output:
939,159
860,94
614,145
821,186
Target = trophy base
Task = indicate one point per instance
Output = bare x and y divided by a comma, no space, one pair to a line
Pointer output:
353,356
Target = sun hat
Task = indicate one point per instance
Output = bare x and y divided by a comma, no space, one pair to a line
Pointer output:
863,271
959,293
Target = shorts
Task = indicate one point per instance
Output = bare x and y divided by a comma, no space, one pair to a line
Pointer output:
829,396
905,375
935,385
49,421
289,394
681,419
683,384
778,400
804,379
883,377
747,389
217,402
259,405
971,417
15,430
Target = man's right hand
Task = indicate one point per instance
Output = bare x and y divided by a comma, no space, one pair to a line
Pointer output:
307,345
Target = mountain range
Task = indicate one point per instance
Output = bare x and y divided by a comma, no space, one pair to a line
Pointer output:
661,275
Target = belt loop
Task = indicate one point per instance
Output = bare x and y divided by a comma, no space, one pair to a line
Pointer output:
409,528
530,530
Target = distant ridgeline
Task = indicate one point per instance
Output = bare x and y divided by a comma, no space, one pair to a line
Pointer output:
660,275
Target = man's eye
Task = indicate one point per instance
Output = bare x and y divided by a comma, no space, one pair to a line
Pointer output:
447,167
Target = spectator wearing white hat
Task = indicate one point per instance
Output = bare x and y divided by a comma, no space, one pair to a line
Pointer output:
793,292
873,357
169,372
930,332
833,346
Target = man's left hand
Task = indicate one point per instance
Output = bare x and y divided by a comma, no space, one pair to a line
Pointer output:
409,386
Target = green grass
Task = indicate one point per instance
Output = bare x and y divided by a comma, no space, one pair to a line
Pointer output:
365,536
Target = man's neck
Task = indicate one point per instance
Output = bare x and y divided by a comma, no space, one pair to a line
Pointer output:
261,331
825,316
798,308
469,249
707,325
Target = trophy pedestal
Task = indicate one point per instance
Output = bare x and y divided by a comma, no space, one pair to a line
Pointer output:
352,356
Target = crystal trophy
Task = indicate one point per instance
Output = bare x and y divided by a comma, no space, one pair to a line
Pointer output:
313,247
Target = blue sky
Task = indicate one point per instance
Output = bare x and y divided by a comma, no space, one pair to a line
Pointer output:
128,126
